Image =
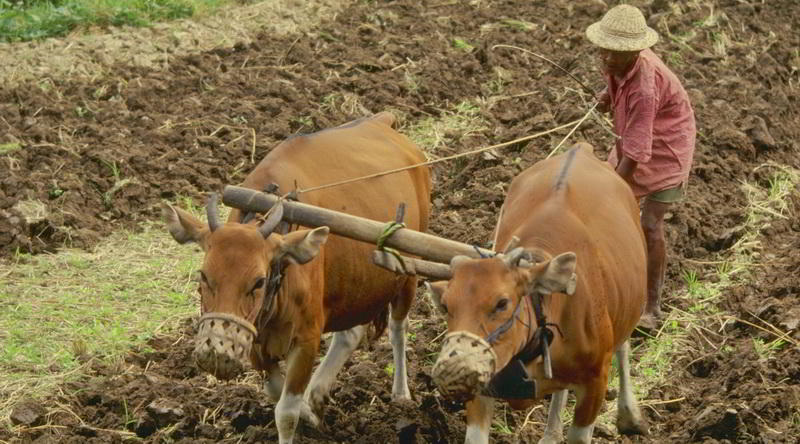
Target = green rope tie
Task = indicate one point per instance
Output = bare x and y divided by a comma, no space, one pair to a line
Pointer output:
388,230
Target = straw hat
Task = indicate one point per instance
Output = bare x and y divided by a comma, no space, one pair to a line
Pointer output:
623,28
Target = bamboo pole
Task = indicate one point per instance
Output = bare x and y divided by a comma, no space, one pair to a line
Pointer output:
427,246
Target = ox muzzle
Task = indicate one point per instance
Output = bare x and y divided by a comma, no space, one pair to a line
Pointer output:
465,365
222,344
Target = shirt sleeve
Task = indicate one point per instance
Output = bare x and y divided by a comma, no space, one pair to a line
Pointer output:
637,138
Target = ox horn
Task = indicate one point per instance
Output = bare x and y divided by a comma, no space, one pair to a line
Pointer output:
512,244
513,257
274,218
457,260
212,212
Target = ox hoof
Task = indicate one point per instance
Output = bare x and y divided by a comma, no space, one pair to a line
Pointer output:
631,426
317,399
404,401
307,415
402,396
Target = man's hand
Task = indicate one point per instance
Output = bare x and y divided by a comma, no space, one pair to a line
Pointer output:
625,168
604,101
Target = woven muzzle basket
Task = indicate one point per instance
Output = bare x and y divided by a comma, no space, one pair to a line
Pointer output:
222,344
465,365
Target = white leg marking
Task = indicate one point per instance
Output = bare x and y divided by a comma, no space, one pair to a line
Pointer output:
478,426
580,435
476,435
553,433
629,418
397,336
287,413
342,346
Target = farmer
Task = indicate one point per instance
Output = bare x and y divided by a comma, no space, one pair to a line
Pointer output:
655,124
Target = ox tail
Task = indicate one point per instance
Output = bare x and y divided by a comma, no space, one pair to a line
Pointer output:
379,324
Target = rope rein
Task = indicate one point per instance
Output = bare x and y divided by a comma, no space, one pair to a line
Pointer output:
576,124
598,117
585,116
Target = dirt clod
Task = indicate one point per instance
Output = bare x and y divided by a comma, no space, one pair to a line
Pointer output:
28,413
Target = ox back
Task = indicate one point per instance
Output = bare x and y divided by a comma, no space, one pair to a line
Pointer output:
576,202
356,149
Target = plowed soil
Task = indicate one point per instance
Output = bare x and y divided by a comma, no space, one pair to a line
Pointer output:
98,154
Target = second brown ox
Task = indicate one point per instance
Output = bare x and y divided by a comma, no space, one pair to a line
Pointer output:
329,285
578,228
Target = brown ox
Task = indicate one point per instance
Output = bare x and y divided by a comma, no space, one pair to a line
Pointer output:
329,285
578,228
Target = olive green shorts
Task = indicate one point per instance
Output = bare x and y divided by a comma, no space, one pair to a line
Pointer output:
670,195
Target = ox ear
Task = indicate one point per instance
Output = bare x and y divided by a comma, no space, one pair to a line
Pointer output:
436,290
558,275
183,226
299,247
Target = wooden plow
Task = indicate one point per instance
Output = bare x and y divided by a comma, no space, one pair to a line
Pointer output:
436,252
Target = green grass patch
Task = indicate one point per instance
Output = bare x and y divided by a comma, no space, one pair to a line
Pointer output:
675,59
32,20
462,45
500,423
93,305
519,25
7,148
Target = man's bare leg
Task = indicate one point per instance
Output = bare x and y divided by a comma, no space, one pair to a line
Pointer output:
653,226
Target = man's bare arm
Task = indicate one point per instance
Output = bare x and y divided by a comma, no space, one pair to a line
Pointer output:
625,168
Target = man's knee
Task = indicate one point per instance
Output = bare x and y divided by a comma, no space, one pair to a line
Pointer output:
653,228
653,220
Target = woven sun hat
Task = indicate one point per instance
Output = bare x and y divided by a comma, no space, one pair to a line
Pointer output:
623,28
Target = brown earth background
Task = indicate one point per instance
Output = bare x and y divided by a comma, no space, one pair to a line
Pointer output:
101,149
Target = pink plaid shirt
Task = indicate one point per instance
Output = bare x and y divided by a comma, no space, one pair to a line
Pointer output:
653,115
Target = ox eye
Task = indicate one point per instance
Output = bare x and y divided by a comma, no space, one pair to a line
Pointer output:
259,284
501,305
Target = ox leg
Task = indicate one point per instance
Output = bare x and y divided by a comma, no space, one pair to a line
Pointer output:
553,433
273,386
342,346
398,327
273,383
629,418
580,435
397,336
589,400
479,420
291,405
580,432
